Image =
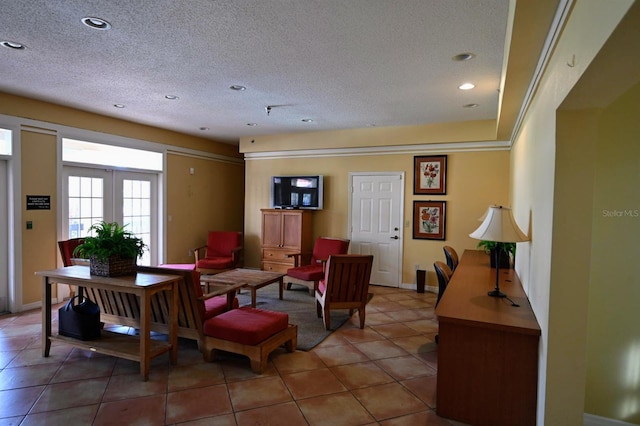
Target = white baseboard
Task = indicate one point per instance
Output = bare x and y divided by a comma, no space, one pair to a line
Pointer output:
593,420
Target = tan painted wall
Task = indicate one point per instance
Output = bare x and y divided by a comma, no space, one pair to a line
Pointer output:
542,173
210,199
613,388
475,180
39,245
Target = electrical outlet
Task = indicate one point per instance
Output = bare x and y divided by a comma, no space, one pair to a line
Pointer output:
190,253
416,266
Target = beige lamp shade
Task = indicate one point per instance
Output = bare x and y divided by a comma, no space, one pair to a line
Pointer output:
499,226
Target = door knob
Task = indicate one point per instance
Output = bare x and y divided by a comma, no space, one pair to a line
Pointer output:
395,237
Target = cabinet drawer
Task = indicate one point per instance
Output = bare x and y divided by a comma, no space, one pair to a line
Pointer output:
275,255
275,267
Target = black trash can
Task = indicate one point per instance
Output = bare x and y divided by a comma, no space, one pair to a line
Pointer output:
421,277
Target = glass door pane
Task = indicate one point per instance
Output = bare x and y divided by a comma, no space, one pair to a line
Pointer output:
137,192
88,195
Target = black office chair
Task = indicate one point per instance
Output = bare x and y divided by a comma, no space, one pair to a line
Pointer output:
444,275
452,258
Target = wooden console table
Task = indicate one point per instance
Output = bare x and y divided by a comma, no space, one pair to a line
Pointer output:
488,349
143,285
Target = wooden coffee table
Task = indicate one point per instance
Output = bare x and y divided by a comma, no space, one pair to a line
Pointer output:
253,279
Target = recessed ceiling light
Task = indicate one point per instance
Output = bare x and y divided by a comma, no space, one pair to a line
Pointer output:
12,45
466,86
118,105
237,88
171,97
307,120
252,124
470,106
463,57
96,23
204,129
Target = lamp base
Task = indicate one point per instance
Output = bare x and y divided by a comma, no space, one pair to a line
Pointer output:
496,293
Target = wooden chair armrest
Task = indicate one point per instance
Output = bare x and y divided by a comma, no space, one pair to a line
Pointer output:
237,255
222,289
324,264
196,252
297,258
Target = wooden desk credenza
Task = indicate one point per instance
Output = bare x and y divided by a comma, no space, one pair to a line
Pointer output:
142,285
488,349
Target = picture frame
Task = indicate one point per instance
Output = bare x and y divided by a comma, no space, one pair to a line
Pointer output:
429,220
430,174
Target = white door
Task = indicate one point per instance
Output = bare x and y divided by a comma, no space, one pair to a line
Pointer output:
129,198
376,211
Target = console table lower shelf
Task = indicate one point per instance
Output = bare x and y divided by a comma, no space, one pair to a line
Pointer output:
116,344
142,287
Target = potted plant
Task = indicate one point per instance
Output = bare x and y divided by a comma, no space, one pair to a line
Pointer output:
111,250
507,251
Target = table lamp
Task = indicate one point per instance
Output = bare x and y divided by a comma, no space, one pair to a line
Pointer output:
499,226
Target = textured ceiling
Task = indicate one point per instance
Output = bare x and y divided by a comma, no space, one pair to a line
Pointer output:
342,63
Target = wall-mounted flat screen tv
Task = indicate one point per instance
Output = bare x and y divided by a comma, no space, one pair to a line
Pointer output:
296,192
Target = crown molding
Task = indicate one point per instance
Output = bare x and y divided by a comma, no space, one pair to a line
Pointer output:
383,150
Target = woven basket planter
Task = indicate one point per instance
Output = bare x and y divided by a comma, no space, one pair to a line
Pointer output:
113,267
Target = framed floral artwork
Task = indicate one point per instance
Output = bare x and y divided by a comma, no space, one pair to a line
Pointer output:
430,174
429,220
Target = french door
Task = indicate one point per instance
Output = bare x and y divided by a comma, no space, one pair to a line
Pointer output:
129,198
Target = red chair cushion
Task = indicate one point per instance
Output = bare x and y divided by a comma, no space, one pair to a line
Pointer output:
217,263
181,266
247,326
217,305
307,272
322,286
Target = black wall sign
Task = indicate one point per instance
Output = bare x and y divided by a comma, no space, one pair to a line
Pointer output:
38,202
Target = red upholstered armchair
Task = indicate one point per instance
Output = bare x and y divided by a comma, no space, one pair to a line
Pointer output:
310,274
66,253
66,249
222,252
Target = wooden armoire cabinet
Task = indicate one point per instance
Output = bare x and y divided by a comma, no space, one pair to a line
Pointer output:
284,232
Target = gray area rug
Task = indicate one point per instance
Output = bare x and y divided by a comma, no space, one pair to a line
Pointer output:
301,307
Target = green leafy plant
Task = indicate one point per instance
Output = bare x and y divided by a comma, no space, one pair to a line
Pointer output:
487,246
110,240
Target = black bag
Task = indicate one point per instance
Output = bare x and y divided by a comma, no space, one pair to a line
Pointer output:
81,321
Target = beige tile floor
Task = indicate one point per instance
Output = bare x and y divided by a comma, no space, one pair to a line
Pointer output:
384,375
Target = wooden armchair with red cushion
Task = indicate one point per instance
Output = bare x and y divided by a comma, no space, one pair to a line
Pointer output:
255,333
310,274
345,286
209,307
223,251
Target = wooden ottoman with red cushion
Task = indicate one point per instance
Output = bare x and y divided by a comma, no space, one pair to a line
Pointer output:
252,332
